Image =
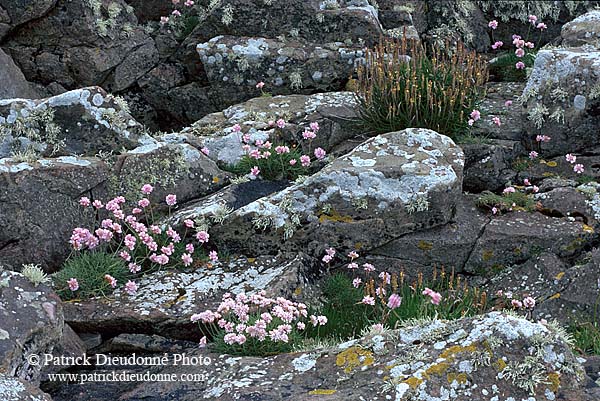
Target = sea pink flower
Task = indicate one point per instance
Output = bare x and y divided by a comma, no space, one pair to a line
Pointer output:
131,287
73,284
320,153
171,199
526,181
578,168
519,52
147,189
143,203
353,266
496,120
385,277
508,103
202,236
309,135
529,302
509,190
498,44
104,235
212,255
260,85
368,300
280,123
533,154
300,326
368,267
536,188
293,162
330,252
282,149
541,26
516,304
134,268
84,201
236,128
125,256
187,259
532,19
475,115
353,255
529,45
520,65
136,210
314,126
493,24
394,301
202,343
571,158
542,138
327,259
205,150
164,20
97,204
188,223
356,282
189,248
494,210
176,13
111,280
305,160
255,171
436,297
470,122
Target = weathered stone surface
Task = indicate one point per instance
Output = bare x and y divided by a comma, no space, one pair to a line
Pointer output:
69,346
234,65
512,116
390,185
563,97
435,360
449,245
39,207
21,11
489,166
166,300
335,112
517,236
88,121
583,30
577,203
14,83
32,323
15,389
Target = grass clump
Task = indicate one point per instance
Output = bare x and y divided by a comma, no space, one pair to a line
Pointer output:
587,337
508,201
272,166
402,84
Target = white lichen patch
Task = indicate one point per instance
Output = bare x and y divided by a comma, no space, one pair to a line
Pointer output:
305,362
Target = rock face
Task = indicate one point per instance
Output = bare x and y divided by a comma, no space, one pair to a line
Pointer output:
32,323
497,355
583,30
14,389
390,185
14,83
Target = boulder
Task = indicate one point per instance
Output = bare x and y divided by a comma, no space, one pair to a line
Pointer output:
389,186
489,166
15,389
583,30
18,12
32,324
14,83
499,356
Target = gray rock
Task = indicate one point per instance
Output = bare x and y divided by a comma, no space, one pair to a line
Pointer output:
15,389
14,83
583,30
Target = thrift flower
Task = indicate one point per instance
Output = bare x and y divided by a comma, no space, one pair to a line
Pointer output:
571,158
171,199
147,189
541,26
519,52
520,65
73,284
356,282
131,287
187,259
280,123
532,19
255,171
368,300
497,45
305,160
260,85
236,128
205,150
493,24
202,343
84,201
475,115
508,103
111,280
516,304
202,236
529,302
509,190
212,255
436,297
578,168
496,120
394,301
320,153
533,154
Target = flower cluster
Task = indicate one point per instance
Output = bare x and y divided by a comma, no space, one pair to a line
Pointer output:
179,8
245,321
506,299
521,45
475,115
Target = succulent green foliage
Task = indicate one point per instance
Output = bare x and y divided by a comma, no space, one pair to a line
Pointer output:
35,274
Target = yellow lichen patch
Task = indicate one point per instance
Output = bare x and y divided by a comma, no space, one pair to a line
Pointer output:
215,180
559,275
588,229
437,369
450,352
353,358
552,164
298,291
554,381
500,364
424,245
460,378
487,255
413,382
335,217
251,260
321,391
358,246
548,174
555,296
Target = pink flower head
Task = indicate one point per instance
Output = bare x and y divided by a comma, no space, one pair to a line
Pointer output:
293,162
516,304
136,210
134,268
147,189
494,210
125,256
356,282
571,158
330,252
212,255
175,2
84,201
188,223
236,128
205,150
368,267
578,168
475,115
314,126
470,122
97,204
509,190
353,255
368,300
536,189
280,123
436,297
532,19
111,280
143,203
282,149
260,85
519,52
255,171
309,135
176,13
520,65
508,103
496,120
353,266
187,259
493,24
385,277
529,302
529,45
305,160
202,236
327,259
300,325
171,199
320,153
131,287
202,343
526,181
541,26
394,301
164,20
189,248
498,44
73,284
533,154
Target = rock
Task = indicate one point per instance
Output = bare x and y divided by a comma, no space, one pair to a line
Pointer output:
512,116
562,95
449,245
142,343
515,237
576,203
15,84
234,65
166,300
83,121
39,207
32,324
583,30
495,354
70,346
15,389
391,185
334,112
489,166
20,11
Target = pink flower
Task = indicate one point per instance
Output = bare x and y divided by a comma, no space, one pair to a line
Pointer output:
526,181
394,301
309,135
293,162
475,115
356,282
496,120
160,259
470,122
187,259
533,154
260,85
536,189
136,210
368,267
508,103
516,304
280,123
529,45
143,203
497,45
73,284
385,277
282,149
541,26
134,268
205,150
529,302
494,210
314,126
125,256
176,13
353,255
320,153
164,20
519,52
236,128
202,343
175,2
84,201
353,266
97,204
509,190
493,24
330,252
104,235
305,160
368,300
188,223
202,236
571,158
518,42
147,189
212,255
543,138
171,199
520,65
131,287
436,297
532,19
327,259
300,326
111,280
189,248
578,168
255,171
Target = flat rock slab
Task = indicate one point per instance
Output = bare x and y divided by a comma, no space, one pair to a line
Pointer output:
434,360
166,300
31,323
391,185
583,30
14,389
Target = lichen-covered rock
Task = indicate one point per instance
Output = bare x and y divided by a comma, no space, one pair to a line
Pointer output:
489,166
83,121
31,323
391,185
14,83
563,97
583,30
335,113
166,300
18,12
490,357
15,389
517,236
39,207
234,65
